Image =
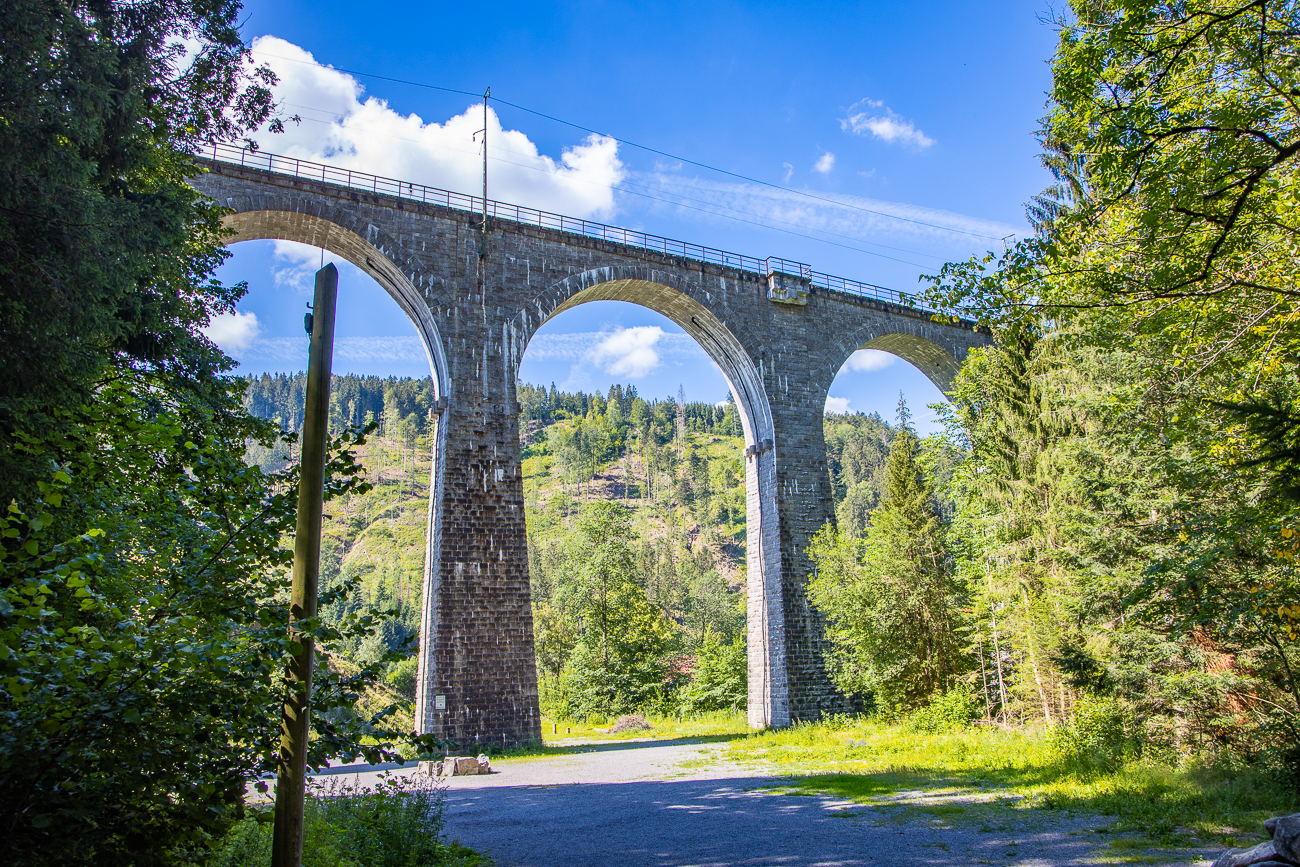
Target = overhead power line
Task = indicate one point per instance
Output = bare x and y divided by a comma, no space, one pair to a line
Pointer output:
646,148
625,186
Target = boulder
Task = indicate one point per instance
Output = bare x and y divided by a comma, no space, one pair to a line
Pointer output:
463,765
1285,831
1260,854
1282,851
484,766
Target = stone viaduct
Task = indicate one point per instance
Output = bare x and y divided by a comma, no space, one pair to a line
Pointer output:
778,331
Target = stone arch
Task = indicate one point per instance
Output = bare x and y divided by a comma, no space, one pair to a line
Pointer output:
364,246
912,341
687,305
371,251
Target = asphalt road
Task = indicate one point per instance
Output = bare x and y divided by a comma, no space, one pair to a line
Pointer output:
673,805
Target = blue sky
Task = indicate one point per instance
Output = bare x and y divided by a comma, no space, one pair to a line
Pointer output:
912,123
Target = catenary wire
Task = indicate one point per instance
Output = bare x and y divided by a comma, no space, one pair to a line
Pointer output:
646,148
624,184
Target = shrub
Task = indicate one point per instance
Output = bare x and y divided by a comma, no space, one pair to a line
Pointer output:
947,711
1100,735
401,676
396,823
720,676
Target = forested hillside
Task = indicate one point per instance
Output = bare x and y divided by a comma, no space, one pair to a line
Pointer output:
675,469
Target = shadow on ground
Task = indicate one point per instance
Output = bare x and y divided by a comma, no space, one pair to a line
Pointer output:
750,822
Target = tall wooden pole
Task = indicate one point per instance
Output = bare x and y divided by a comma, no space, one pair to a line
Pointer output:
291,775
482,247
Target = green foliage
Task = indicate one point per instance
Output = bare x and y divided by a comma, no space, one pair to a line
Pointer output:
142,627
1126,517
719,680
857,447
890,599
401,676
142,619
946,712
395,823
619,662
1100,734
106,249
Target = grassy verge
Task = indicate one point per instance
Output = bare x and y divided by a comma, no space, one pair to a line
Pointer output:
572,736
397,823
870,762
663,728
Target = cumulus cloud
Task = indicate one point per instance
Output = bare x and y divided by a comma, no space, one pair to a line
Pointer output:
233,332
295,265
628,352
344,127
824,163
872,117
580,346
865,360
837,405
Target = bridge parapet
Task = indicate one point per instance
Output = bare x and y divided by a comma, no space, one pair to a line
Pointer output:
504,211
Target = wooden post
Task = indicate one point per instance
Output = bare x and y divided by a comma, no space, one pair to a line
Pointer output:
290,780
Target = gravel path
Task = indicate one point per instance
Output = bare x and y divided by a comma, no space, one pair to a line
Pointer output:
657,804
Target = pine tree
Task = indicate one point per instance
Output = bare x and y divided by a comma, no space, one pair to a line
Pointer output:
890,598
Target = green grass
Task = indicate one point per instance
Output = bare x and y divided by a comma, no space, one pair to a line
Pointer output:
665,728
396,823
868,762
573,737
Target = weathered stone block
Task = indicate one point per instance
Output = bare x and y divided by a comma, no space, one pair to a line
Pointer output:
787,288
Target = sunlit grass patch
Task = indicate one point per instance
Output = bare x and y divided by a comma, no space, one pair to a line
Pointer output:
663,728
992,769
573,737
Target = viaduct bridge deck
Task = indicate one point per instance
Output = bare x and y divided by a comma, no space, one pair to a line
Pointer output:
778,330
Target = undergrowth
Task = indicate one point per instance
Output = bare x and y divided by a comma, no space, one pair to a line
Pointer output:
709,724
865,759
396,823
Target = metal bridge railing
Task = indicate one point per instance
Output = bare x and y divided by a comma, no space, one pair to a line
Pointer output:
308,170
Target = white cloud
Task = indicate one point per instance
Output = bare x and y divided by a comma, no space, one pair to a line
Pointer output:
824,163
865,118
789,173
296,265
943,234
233,332
292,351
578,345
629,351
380,349
865,360
837,405
625,352
343,127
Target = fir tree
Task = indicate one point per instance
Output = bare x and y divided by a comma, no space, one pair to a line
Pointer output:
890,598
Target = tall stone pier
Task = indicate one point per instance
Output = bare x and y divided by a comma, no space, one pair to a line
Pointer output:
476,299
